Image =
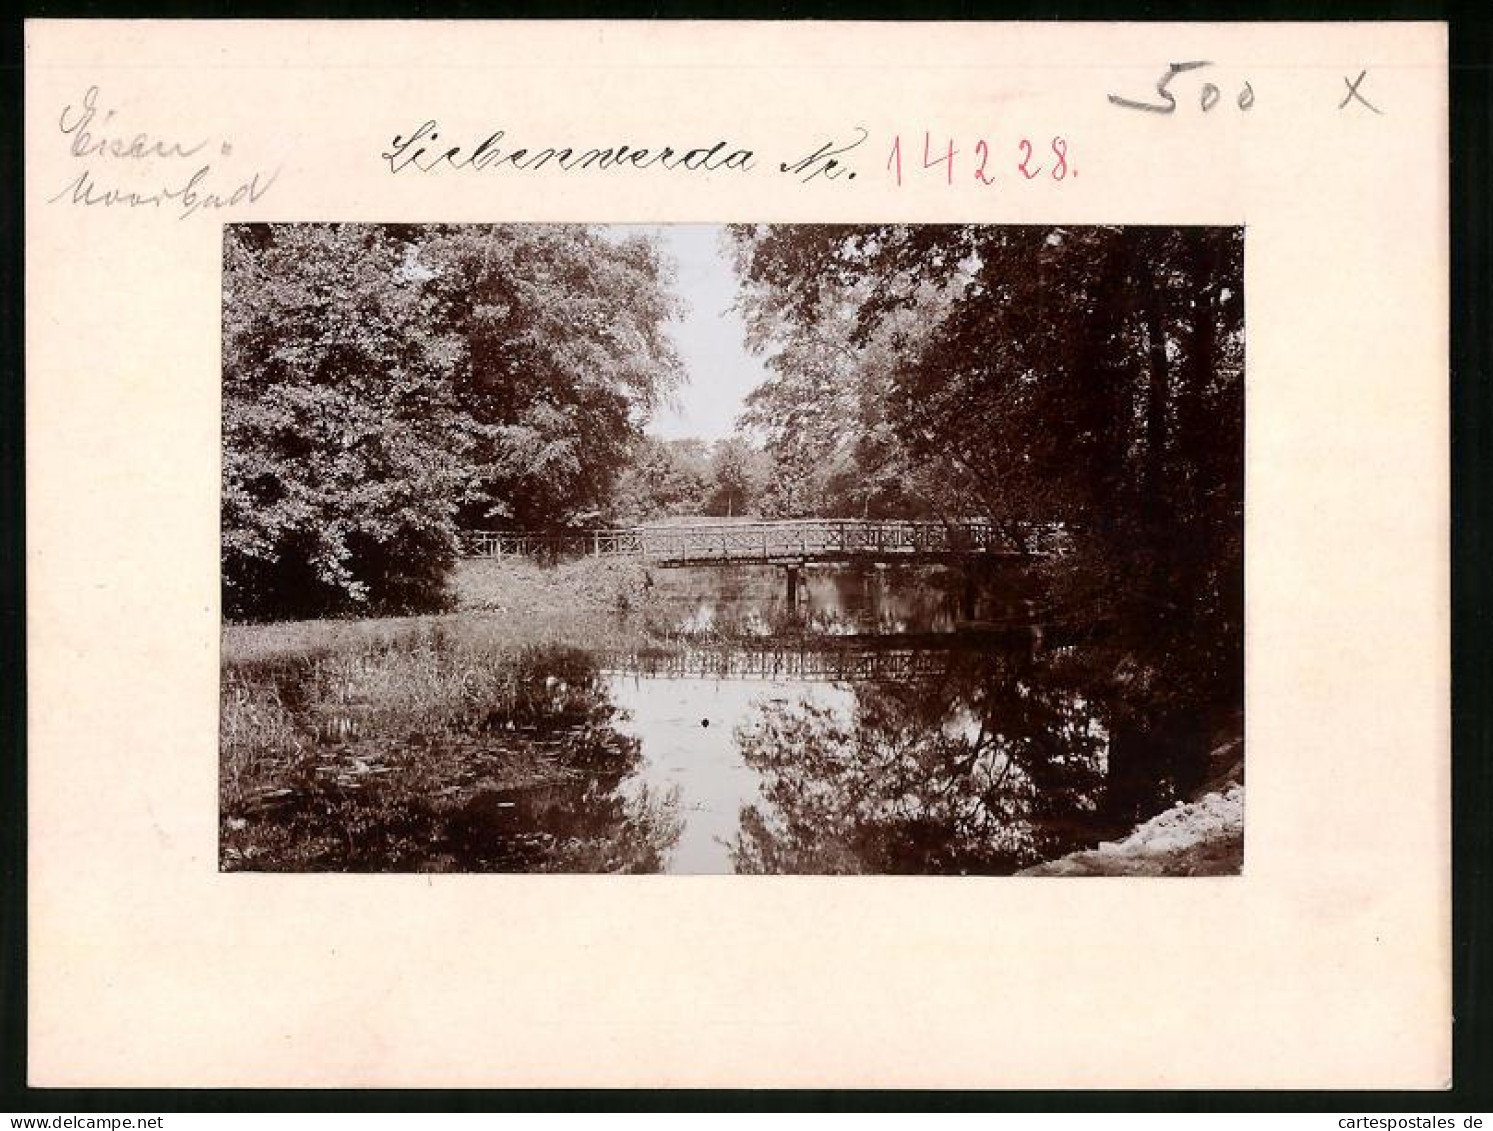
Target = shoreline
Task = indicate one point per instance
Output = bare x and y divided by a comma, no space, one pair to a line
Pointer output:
1201,836
299,697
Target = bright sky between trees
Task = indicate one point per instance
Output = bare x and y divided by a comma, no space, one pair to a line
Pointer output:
710,337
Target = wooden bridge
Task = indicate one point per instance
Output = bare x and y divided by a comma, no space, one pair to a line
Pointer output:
790,543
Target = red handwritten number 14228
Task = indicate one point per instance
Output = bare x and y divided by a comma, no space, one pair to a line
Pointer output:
1029,161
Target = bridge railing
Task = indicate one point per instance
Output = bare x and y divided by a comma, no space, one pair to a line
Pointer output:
767,541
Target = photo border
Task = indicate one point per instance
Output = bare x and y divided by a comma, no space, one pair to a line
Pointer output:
1471,423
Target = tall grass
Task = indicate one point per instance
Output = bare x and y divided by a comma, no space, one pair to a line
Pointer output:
305,703
255,732
520,587
287,689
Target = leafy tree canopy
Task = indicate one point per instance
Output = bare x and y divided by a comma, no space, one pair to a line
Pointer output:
1091,376
385,386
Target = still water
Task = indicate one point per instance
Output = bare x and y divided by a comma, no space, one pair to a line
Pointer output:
762,668
830,601
890,720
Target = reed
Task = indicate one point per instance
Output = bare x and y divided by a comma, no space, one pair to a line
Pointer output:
403,701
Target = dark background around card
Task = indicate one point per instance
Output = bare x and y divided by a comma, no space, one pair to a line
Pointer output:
1471,427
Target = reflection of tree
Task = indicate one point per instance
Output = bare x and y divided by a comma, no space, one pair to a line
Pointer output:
882,601
583,814
997,767
539,780
587,824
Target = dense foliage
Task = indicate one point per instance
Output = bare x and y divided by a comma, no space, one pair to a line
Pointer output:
385,387
690,478
1091,376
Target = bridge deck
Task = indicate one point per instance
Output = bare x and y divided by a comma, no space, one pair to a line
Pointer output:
791,542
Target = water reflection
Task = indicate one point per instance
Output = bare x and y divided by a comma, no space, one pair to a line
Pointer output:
986,763
688,730
743,602
871,729
984,772
528,773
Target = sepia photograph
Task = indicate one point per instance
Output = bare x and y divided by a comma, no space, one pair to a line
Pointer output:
937,510
732,549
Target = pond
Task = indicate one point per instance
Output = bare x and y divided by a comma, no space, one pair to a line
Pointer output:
891,720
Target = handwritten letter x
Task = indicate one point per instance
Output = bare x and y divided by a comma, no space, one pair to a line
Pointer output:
1354,95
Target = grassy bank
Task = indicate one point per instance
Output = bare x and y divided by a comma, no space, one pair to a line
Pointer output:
516,605
341,739
524,590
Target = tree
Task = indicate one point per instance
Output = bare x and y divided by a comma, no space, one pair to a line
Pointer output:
663,478
823,409
386,386
566,355
736,470
342,450
1087,376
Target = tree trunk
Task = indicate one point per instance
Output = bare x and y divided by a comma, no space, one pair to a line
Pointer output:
1157,396
1195,430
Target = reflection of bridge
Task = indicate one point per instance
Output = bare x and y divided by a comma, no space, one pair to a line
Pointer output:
893,660
795,542
880,666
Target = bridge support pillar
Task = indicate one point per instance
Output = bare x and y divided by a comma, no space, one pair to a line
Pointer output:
791,571
970,595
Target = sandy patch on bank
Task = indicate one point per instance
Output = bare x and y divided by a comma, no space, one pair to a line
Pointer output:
1197,838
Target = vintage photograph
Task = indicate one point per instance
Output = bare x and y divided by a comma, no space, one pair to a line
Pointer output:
790,549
